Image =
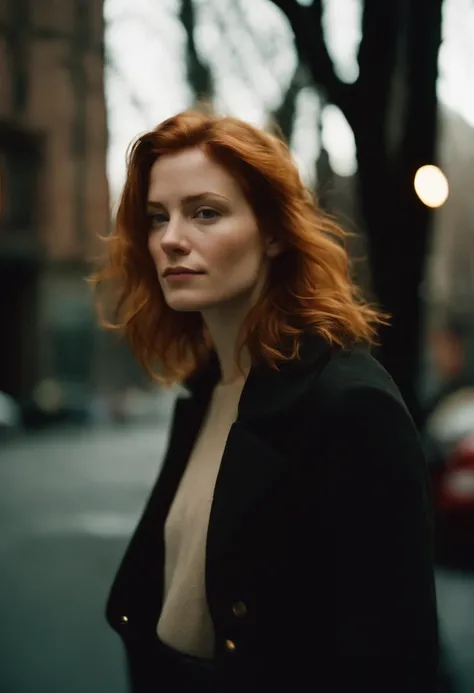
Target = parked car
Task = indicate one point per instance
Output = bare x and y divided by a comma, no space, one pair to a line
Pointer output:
10,416
449,440
53,402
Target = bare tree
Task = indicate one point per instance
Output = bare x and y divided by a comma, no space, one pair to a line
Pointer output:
392,109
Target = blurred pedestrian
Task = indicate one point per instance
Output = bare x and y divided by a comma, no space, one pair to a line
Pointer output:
287,542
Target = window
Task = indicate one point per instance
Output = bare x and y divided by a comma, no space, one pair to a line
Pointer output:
19,163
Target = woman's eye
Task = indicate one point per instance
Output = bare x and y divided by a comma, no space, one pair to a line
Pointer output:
206,213
157,219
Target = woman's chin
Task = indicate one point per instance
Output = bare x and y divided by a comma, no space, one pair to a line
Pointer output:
183,305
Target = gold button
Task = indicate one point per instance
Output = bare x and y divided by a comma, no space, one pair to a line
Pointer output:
124,619
239,609
230,645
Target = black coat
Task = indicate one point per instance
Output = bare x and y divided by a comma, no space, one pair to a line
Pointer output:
319,564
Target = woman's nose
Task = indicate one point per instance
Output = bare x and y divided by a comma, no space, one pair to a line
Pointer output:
174,237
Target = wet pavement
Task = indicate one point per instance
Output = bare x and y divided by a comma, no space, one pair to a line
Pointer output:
455,590
68,502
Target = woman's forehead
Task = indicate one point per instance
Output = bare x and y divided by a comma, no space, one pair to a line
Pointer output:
189,173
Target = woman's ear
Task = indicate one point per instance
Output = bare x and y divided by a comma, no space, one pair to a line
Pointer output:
273,247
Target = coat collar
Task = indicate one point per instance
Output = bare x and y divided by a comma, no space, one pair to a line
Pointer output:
268,391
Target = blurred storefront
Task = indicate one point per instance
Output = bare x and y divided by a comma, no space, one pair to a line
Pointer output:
54,193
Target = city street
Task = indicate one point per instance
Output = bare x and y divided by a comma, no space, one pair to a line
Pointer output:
68,501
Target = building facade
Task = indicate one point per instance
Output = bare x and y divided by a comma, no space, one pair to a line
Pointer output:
53,189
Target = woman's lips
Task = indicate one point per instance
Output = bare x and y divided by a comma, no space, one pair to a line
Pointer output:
181,276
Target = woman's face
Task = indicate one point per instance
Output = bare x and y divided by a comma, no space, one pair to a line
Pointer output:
199,219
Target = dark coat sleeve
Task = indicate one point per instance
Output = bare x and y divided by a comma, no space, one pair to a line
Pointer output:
377,588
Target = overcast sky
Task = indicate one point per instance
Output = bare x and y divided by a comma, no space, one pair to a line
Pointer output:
147,84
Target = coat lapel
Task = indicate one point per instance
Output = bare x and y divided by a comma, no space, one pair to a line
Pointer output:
248,469
254,457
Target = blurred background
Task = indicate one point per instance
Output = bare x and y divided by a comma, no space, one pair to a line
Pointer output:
377,102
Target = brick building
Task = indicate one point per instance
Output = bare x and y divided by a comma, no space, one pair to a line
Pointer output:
53,188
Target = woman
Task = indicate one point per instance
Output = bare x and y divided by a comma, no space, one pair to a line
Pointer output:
286,544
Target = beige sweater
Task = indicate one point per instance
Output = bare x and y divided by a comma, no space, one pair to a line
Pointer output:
185,623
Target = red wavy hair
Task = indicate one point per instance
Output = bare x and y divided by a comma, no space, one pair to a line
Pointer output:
309,285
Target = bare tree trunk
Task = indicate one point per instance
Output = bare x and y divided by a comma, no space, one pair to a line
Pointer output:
399,46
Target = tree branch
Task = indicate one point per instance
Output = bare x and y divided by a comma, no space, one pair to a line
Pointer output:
266,55
199,74
284,114
229,38
306,22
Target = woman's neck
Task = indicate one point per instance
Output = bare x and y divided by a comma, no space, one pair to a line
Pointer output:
224,332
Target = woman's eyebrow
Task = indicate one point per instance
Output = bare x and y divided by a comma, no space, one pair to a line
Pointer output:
153,204
202,196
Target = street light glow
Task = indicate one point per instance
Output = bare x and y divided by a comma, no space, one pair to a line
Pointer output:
431,186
